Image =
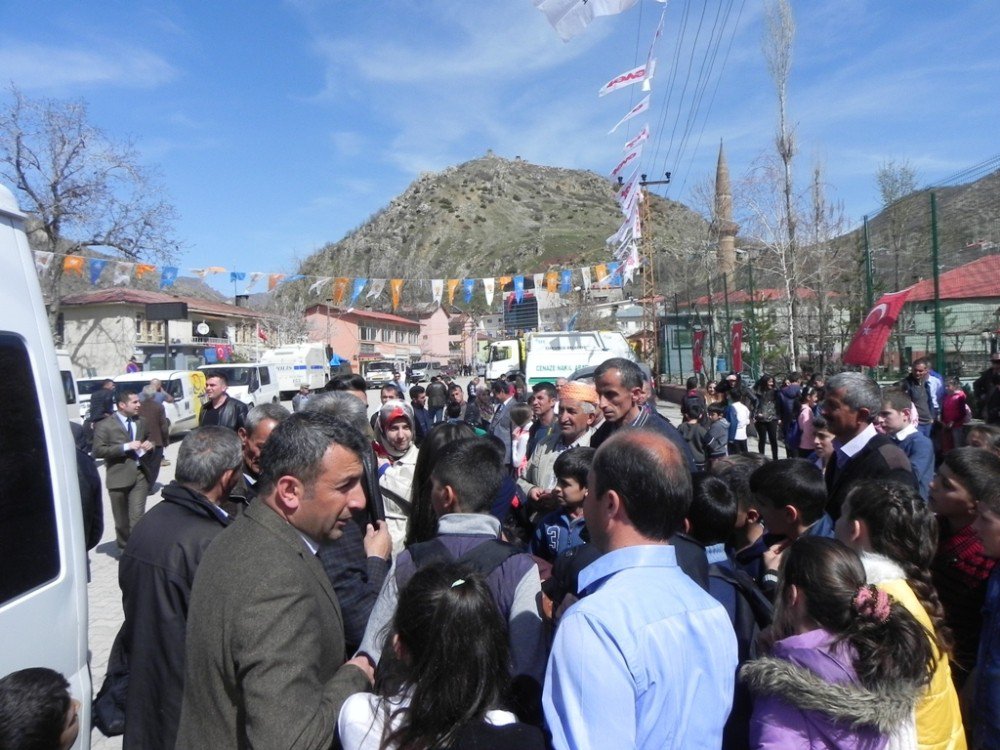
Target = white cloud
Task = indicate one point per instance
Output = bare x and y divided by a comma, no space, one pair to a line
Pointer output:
48,67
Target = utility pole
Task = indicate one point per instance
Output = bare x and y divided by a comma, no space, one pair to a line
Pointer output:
649,319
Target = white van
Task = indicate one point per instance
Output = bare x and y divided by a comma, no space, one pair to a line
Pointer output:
43,559
252,384
186,386
85,388
70,391
298,364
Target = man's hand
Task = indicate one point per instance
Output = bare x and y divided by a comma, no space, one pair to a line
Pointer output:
146,445
378,542
134,445
363,663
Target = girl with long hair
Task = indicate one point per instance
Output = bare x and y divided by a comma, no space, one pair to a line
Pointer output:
960,570
895,533
846,663
448,682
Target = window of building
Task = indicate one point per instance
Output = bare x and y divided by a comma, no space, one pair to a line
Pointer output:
29,548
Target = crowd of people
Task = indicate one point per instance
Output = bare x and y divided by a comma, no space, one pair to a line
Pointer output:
557,566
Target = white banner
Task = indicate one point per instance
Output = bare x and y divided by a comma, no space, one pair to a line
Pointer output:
585,272
636,75
628,190
539,279
632,156
623,231
630,266
571,17
437,290
376,288
638,109
488,286
647,82
641,136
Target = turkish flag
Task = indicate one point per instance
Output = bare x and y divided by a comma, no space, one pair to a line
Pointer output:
696,360
868,343
261,333
736,344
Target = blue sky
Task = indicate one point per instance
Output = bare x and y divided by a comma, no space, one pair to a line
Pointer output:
279,126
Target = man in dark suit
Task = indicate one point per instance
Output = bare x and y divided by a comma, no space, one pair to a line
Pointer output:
265,637
500,425
851,403
156,573
122,440
154,416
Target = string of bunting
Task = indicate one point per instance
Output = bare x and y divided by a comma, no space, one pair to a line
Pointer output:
341,287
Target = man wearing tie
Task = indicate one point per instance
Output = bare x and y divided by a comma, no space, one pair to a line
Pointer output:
121,440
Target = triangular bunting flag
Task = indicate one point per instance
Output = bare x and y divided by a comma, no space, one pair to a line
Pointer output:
437,290
488,287
273,279
551,282
142,269
566,282
73,264
255,276
518,289
452,286
168,275
376,289
396,289
95,267
538,279
43,261
235,276
123,273
585,272
339,290
468,286
319,284
357,288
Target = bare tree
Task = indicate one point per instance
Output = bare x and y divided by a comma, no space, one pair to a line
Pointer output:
896,180
777,47
80,189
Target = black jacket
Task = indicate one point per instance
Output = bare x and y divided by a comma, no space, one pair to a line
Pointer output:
881,458
102,403
156,573
231,414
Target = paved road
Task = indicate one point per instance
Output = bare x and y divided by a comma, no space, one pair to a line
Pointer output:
105,596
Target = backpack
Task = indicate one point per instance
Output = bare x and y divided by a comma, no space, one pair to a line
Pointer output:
482,559
754,611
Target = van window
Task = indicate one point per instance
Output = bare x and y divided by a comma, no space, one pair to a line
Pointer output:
29,549
265,375
67,383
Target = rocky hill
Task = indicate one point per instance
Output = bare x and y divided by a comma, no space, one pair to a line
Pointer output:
493,216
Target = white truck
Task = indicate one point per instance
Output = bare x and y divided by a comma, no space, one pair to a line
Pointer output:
380,372
561,353
505,356
252,383
298,364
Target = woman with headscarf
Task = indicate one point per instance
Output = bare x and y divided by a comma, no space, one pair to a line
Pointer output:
394,430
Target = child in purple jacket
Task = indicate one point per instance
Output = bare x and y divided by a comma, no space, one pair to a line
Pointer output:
847,662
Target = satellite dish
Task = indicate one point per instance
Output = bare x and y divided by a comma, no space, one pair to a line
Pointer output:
202,329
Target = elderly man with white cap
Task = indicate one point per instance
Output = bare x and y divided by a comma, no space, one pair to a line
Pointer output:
578,409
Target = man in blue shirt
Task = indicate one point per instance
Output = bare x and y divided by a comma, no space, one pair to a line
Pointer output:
647,658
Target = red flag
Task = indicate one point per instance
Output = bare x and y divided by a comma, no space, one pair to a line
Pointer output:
261,334
736,342
696,360
869,341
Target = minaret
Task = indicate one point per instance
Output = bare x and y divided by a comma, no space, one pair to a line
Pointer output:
723,219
